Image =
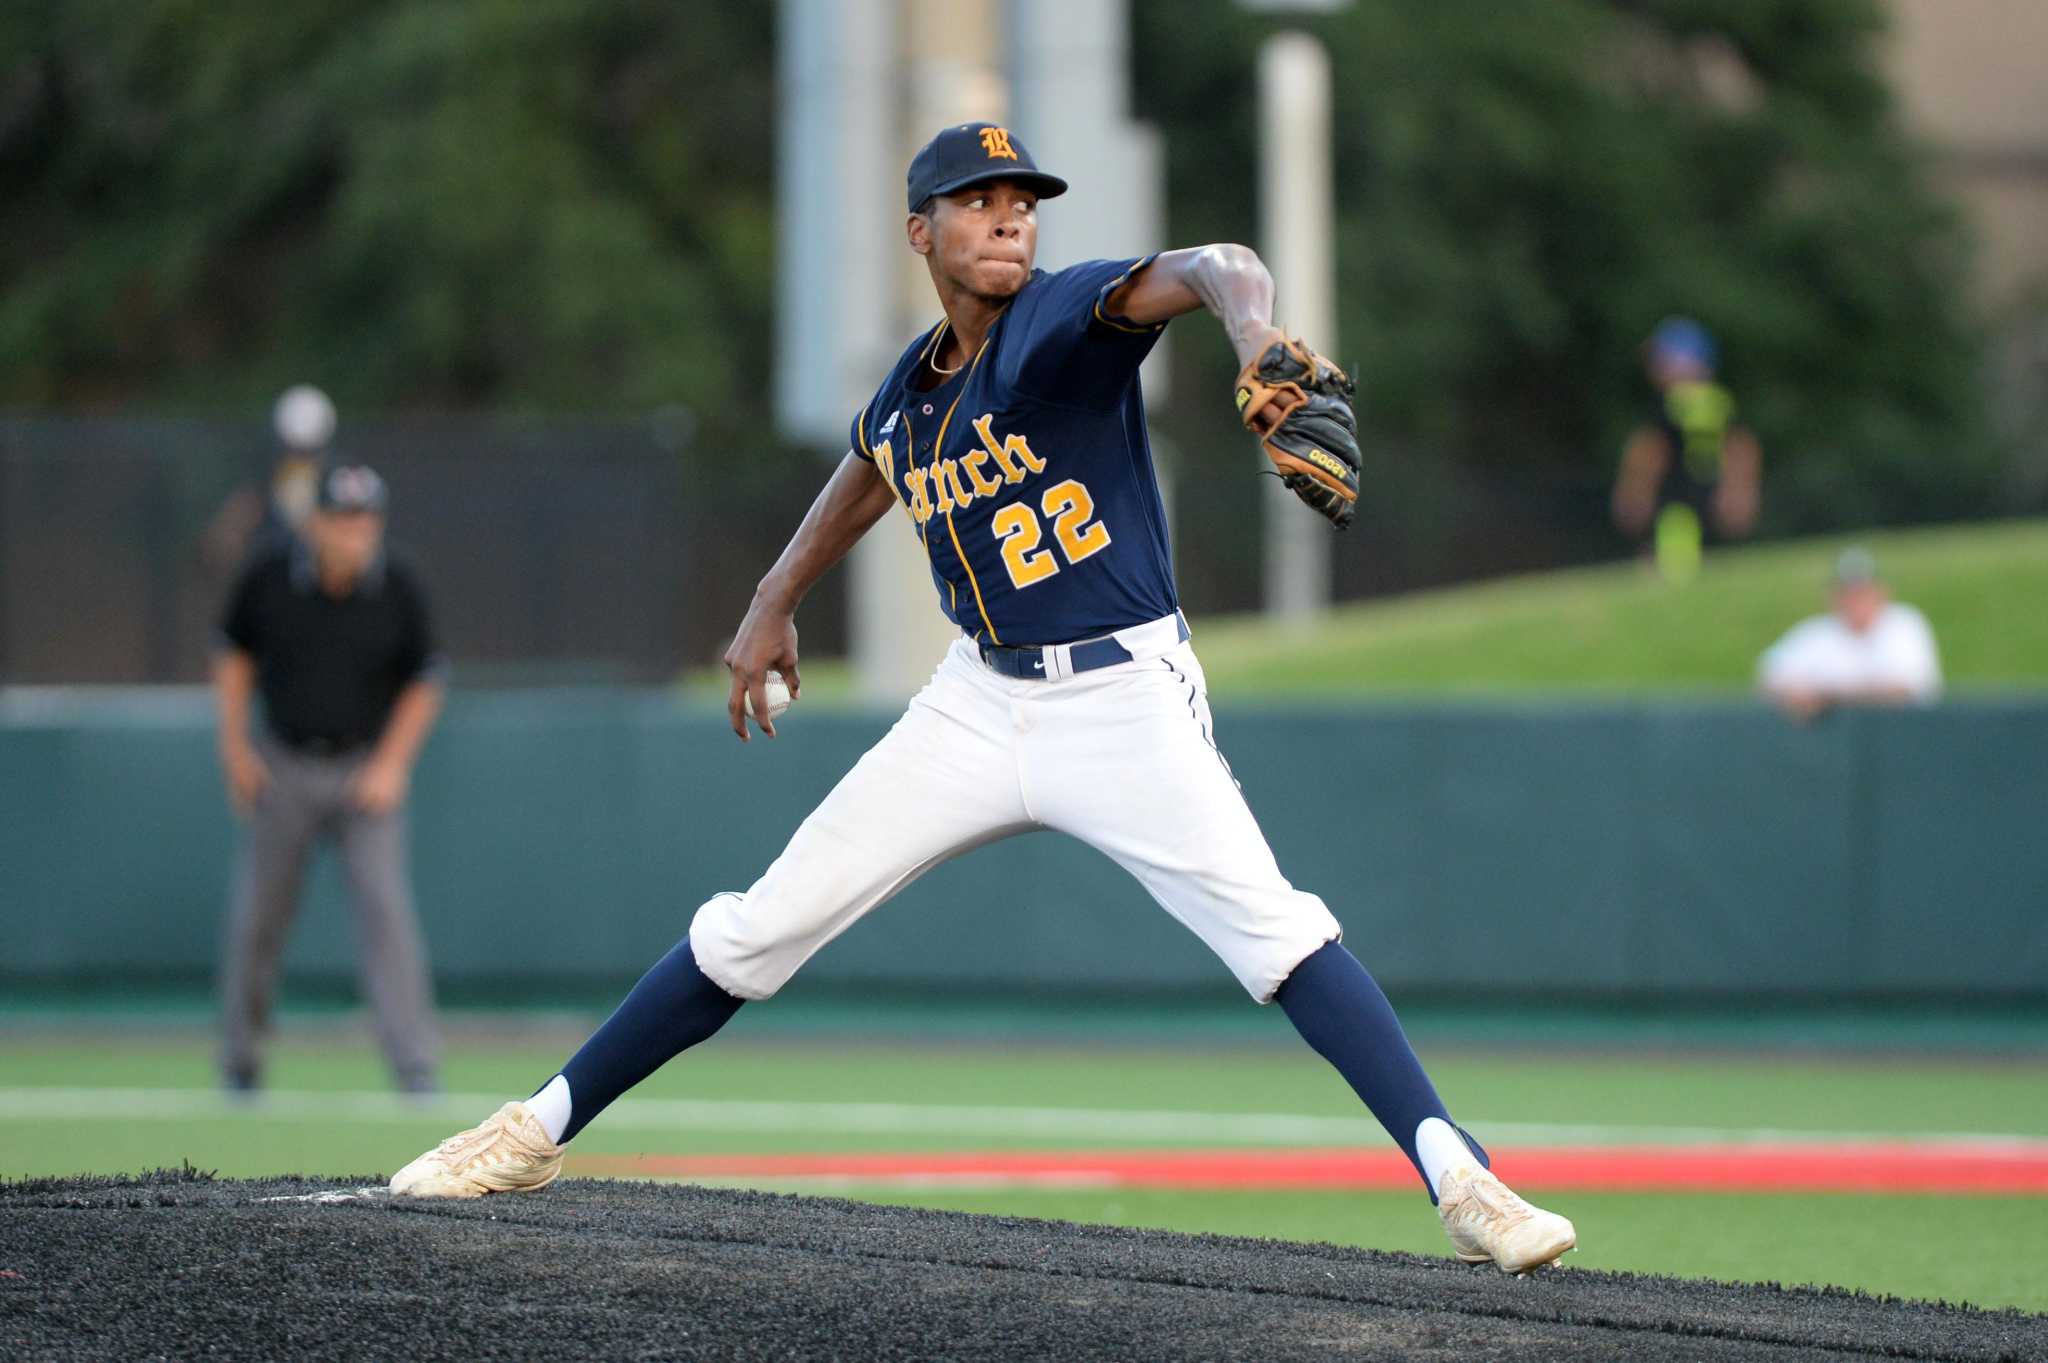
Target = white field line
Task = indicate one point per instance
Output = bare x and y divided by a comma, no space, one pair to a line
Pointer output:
915,1119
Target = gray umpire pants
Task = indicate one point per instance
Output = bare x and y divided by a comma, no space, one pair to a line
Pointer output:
308,800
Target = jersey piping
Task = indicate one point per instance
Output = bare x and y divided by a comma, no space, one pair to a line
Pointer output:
938,449
923,532
1109,291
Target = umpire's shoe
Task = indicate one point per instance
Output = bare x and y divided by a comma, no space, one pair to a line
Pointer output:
1487,1222
508,1153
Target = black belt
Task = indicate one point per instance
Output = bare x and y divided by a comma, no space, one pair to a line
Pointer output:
325,747
1029,664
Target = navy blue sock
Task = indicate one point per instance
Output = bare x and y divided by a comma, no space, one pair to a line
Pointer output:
1337,1008
674,1007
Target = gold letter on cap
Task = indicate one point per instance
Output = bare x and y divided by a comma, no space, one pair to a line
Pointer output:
996,142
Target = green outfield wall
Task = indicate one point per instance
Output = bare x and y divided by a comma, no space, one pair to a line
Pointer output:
1515,848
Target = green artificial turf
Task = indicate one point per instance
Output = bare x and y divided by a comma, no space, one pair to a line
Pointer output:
1986,1251
1873,1095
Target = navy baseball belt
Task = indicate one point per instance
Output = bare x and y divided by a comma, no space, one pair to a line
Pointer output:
1053,662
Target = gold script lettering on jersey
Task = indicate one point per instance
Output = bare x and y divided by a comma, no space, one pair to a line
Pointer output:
985,470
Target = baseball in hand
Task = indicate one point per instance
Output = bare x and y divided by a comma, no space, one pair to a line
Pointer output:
778,696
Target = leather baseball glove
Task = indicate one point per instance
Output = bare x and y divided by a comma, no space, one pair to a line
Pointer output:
1299,406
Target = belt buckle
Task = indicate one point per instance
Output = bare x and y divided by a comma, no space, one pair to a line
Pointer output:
1012,662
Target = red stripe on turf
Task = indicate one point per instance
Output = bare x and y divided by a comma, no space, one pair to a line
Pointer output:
1751,1168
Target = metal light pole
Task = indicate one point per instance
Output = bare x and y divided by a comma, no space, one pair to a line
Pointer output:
1296,231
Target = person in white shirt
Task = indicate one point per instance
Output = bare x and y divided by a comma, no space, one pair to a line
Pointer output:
1868,650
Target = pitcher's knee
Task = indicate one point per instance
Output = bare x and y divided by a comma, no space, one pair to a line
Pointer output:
1262,955
739,952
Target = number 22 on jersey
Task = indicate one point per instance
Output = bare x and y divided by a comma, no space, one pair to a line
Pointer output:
1071,510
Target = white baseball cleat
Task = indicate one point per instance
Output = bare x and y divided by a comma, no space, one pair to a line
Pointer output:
1488,1223
508,1153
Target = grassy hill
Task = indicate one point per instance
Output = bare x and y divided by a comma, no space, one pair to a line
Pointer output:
1621,628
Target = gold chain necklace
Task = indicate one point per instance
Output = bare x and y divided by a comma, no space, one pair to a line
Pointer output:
931,355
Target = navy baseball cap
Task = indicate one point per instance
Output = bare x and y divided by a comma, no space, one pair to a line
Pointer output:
352,487
974,154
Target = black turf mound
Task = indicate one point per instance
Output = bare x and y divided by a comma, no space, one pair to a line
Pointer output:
182,1266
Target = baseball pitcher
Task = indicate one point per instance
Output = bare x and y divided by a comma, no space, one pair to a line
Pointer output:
1010,439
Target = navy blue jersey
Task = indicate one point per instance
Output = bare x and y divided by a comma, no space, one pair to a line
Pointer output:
1028,475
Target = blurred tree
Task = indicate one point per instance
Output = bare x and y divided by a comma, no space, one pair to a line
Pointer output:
512,203
1525,189
547,204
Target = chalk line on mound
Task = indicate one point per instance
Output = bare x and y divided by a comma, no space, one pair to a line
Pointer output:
333,1195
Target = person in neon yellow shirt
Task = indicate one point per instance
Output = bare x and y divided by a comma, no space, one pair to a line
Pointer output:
1692,475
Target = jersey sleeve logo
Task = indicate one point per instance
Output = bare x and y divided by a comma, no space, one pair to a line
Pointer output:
996,143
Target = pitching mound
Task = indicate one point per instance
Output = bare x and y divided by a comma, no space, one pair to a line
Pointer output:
178,1265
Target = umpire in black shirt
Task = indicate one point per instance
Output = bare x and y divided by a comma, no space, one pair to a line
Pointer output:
335,637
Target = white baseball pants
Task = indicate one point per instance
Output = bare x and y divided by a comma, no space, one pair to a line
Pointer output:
1121,757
